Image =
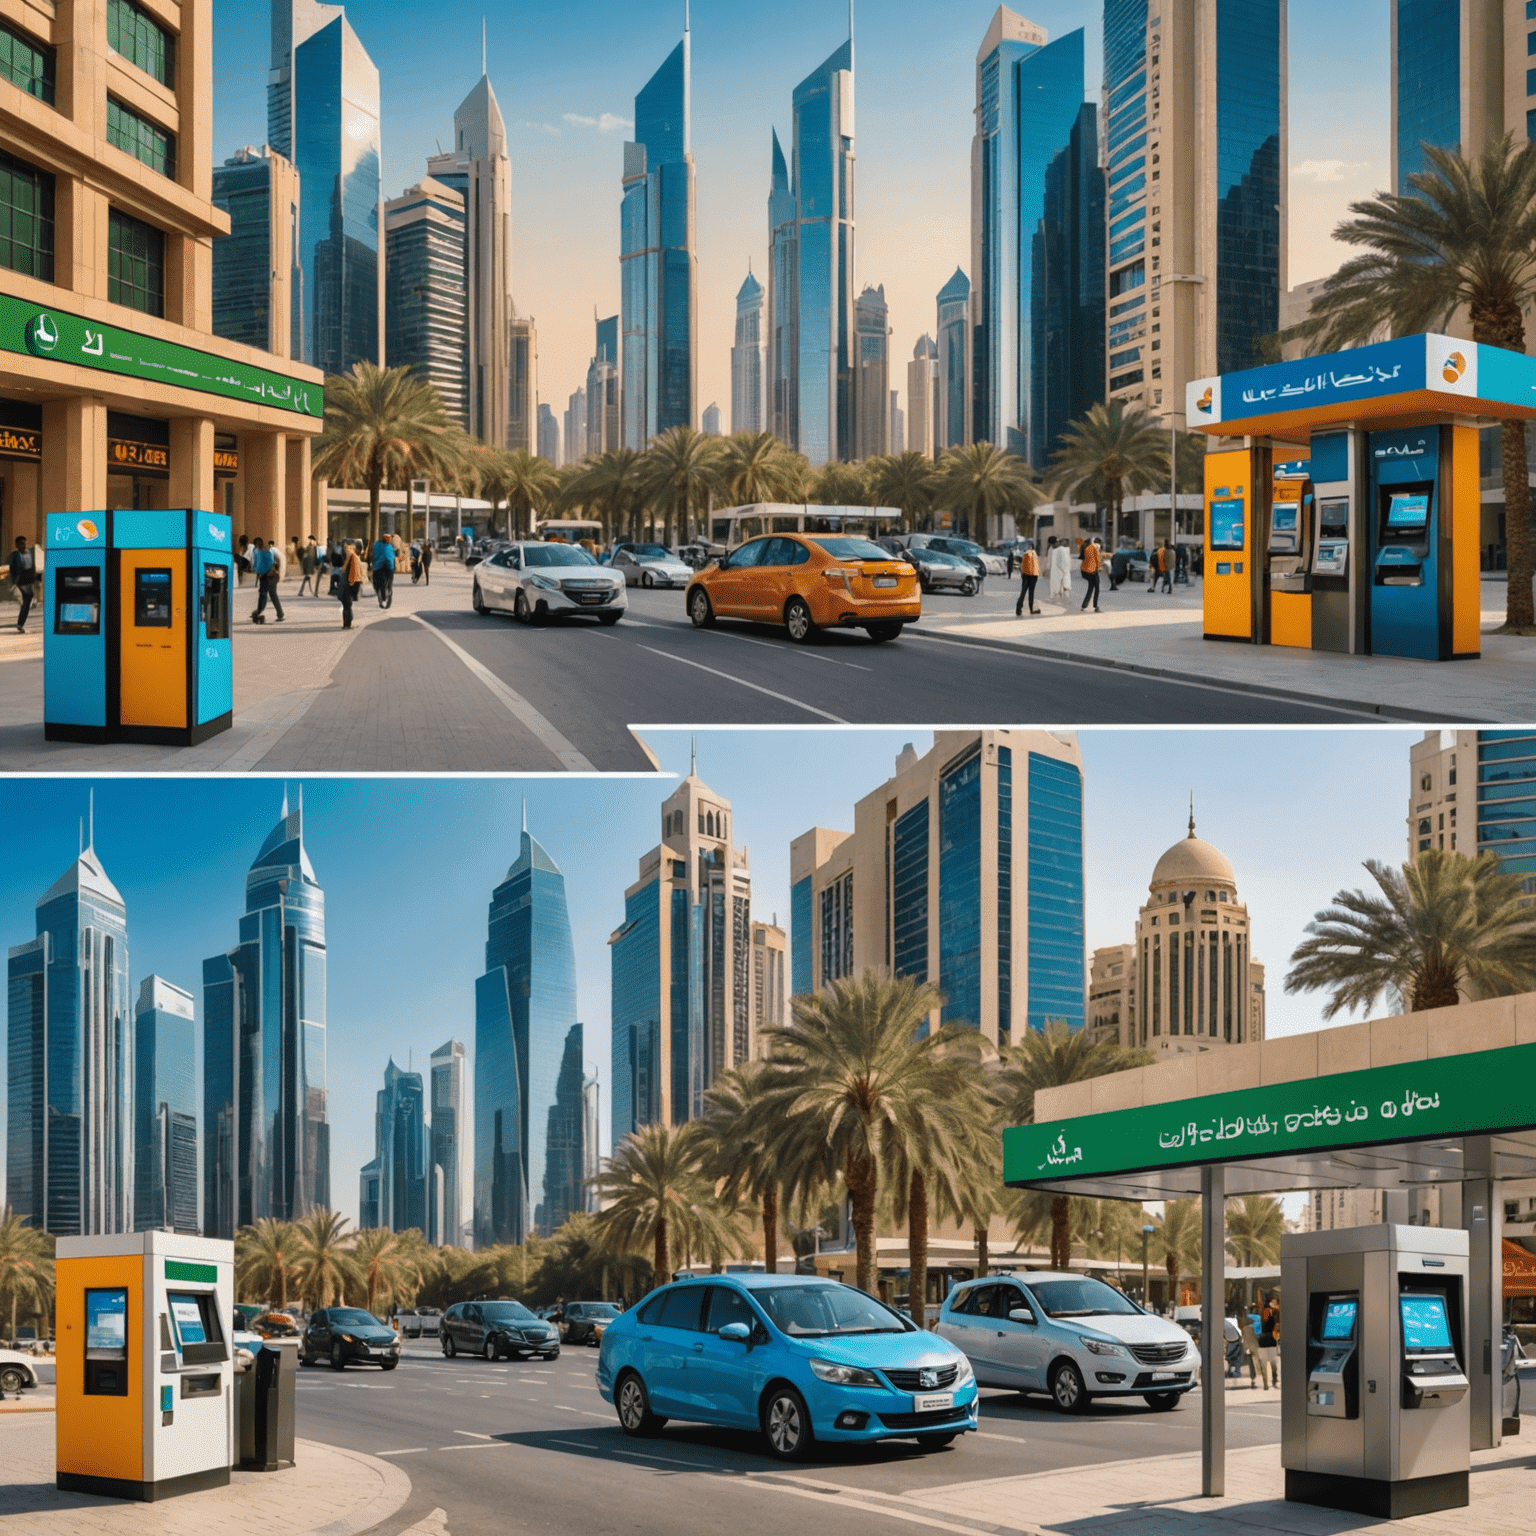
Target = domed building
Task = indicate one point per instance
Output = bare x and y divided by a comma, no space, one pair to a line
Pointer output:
1189,981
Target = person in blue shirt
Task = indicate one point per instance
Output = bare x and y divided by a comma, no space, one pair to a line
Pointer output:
265,568
384,571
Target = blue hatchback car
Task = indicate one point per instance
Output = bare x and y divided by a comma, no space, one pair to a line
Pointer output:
798,1357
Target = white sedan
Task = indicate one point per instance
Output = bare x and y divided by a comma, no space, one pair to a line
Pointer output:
650,565
16,1371
537,581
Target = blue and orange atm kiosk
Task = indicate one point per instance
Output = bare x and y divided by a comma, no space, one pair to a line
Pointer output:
137,636
1346,517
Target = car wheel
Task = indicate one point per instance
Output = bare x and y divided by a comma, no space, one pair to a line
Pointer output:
647,579
1163,1402
935,1442
634,1405
608,620
450,1349
1068,1392
880,633
388,1365
787,1424
306,1358
520,607
338,1360
12,1379
478,600
492,1350
798,621
968,587
700,609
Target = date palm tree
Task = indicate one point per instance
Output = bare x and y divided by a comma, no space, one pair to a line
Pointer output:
529,484
385,425
612,484
1255,1225
909,481
1464,239
839,485
26,1268
680,473
1109,454
738,1151
266,1256
1445,924
980,481
1176,1241
756,466
387,1265
324,1262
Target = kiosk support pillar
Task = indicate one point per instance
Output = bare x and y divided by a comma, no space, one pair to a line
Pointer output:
1213,1341
1482,1215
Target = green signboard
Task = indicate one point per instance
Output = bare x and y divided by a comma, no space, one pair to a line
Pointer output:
60,337
179,1269
1471,1095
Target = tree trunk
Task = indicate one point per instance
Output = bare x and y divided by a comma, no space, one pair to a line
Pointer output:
983,1259
1434,987
374,483
771,1231
1061,1233
917,1247
1172,1266
863,1181
662,1260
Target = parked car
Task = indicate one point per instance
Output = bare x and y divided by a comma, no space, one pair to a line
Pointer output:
938,571
429,1318
496,1329
348,1336
578,1320
808,582
1138,563
798,1357
276,1325
982,561
650,565
16,1372
536,581
697,556
1070,1336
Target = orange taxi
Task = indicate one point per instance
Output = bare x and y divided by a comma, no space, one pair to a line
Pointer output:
809,581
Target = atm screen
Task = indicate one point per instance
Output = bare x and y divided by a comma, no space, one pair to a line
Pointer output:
106,1321
1407,514
152,599
1339,1319
1227,524
1285,518
1333,517
1425,1323
188,1317
78,601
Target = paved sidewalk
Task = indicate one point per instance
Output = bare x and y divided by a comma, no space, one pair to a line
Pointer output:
330,1492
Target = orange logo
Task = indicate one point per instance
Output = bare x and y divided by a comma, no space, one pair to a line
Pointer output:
86,528
1204,402
1455,365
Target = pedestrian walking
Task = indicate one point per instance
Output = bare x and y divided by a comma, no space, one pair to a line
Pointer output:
1092,558
350,581
383,561
1119,569
1029,574
24,579
415,564
426,561
1059,567
1258,1367
309,565
1269,1335
1181,565
265,568
242,559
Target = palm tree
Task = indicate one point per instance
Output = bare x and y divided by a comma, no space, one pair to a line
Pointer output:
265,1256
980,482
681,473
1464,239
738,1152
756,466
26,1267
1109,1229
1109,454
323,1261
613,483
1052,1058
907,480
384,424
839,485
387,1265
1177,1241
1444,925
1254,1229
529,485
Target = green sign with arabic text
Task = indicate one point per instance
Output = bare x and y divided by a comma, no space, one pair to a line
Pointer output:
54,335
1476,1094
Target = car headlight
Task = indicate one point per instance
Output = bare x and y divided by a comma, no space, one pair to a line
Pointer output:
347,1338
964,1373
1101,1346
844,1375
545,582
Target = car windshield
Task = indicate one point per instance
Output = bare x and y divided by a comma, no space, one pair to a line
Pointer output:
1081,1298
506,1312
964,546
814,1311
649,552
354,1317
556,554
940,557
598,1309
851,549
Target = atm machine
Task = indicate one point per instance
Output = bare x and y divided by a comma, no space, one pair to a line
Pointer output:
1374,1412
1237,497
1338,609
1289,559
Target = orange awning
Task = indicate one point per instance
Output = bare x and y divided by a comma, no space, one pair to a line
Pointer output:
1519,1270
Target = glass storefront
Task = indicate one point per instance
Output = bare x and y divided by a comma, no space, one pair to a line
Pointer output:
138,463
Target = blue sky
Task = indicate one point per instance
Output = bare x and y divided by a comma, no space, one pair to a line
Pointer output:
408,866
566,77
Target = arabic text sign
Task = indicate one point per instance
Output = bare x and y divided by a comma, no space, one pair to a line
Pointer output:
1477,1093
55,336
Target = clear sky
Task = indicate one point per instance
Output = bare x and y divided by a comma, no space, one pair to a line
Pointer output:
566,77
408,866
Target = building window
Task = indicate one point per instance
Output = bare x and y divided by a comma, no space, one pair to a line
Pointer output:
142,41
27,64
135,264
26,219
139,137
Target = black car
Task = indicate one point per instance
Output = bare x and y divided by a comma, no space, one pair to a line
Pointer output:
579,1316
348,1336
496,1329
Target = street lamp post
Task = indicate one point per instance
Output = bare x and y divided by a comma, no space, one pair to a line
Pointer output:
1173,430
1146,1232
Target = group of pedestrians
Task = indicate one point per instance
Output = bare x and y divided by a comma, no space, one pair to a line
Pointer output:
1093,563
337,569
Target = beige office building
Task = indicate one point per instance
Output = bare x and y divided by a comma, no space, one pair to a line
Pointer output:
770,975
922,396
114,391
1442,765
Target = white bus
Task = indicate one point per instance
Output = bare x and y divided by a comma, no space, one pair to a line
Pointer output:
572,530
730,526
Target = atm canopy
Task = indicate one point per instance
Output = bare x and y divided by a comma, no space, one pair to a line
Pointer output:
1401,383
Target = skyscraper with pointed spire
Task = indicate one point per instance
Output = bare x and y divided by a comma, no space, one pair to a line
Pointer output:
658,258
70,1061
747,358
265,1134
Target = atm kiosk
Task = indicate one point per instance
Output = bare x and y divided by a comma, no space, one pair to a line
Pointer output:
136,642
1290,558
144,1364
1373,1384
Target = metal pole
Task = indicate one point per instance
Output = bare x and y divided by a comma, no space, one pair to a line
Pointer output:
1146,1290
1213,1341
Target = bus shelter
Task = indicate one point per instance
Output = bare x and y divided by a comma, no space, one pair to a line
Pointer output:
1441,1098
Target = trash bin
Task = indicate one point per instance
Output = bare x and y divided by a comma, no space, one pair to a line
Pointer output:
265,1404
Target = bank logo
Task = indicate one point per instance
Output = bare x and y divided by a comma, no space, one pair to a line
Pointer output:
42,334
215,532
1453,368
1203,404
86,529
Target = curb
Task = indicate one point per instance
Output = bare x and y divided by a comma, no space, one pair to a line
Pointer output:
397,1489
27,1408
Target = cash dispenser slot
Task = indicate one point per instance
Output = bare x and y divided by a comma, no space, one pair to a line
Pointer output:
1290,521
1432,1372
1332,538
1402,544
1333,1359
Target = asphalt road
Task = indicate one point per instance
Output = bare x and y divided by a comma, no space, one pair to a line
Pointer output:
533,1447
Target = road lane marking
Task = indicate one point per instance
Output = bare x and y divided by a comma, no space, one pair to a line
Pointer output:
988,1435
731,634
783,698
516,705
586,1412
607,1450
410,1450
490,1446
890,1512
473,1434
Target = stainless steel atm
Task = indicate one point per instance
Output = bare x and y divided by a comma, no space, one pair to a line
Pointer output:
1373,1356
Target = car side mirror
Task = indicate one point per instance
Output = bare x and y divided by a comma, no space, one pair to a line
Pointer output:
738,1333
1021,1315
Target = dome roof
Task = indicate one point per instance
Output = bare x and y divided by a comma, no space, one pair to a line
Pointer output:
1193,862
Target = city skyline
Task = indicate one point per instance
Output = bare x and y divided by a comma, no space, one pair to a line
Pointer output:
567,127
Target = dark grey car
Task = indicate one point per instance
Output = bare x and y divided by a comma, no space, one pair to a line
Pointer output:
497,1329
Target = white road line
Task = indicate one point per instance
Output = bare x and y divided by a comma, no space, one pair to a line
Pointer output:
411,1450
472,1434
586,1412
789,650
783,698
987,1435
890,1512
517,706
494,1445
645,1456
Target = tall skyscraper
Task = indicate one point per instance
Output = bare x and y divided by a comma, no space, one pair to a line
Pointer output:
951,420
425,304
452,1142
658,260
922,395
1037,223
528,1058
258,283
898,433
747,359
164,1109
1496,794
266,1138
770,948
523,386
872,394
549,434
964,869
682,978
70,1060
399,1188
576,426
478,169
604,406
709,422
1195,137
323,115
811,351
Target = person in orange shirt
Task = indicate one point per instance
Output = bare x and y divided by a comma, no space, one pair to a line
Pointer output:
1092,558
1029,574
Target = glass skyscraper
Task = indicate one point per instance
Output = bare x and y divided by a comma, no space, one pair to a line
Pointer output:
257,283
266,1136
426,304
954,371
872,325
527,1094
451,1142
1426,69
164,1109
399,1187
747,359
658,263
70,1060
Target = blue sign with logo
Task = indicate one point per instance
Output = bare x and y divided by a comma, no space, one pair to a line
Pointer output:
1364,373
